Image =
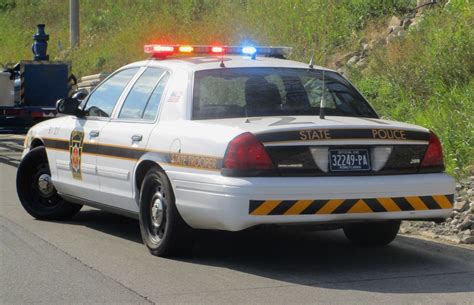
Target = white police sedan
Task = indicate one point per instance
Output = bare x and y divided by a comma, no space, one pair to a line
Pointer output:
226,138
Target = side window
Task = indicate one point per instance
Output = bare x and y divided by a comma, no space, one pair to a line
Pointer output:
143,96
152,107
102,101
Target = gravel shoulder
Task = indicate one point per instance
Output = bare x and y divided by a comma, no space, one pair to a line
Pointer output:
458,228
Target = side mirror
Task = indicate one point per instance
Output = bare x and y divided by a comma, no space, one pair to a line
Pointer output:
80,94
69,106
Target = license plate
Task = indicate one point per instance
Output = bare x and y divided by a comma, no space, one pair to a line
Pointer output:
349,160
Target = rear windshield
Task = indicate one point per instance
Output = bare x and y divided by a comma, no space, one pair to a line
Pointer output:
250,92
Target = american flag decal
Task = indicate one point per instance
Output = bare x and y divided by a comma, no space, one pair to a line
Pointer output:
175,96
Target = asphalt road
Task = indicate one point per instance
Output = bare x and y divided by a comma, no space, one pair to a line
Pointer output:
98,258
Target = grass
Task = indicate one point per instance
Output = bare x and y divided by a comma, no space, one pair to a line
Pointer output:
113,31
424,77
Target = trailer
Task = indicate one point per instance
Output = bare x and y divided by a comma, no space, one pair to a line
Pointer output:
29,89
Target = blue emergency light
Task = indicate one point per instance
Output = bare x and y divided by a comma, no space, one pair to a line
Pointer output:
249,50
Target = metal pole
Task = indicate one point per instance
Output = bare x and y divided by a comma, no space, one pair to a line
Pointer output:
74,22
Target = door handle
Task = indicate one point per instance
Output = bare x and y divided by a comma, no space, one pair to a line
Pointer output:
137,138
94,133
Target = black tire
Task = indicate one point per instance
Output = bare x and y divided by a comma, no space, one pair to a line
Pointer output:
165,234
372,233
46,204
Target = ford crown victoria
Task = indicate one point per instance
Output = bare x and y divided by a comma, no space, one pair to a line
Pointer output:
227,138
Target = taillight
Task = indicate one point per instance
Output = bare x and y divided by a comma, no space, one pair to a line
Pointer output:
434,153
246,152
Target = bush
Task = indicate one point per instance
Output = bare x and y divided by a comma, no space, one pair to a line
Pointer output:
426,78
6,5
366,9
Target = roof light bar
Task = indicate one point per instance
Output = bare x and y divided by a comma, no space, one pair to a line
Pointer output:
163,51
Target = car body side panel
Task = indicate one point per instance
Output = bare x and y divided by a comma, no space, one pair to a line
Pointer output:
174,103
56,136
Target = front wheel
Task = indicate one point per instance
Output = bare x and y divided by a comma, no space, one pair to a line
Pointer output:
36,190
163,230
372,233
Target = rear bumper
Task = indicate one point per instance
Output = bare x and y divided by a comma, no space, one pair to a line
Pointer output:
208,201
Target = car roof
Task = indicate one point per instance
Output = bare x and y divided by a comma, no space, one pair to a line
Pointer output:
198,63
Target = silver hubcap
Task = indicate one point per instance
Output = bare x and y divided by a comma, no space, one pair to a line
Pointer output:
45,185
157,210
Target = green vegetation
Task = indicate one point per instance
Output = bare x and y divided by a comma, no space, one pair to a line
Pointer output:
424,77
427,78
113,31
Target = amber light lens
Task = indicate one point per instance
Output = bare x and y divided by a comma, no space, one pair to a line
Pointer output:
186,49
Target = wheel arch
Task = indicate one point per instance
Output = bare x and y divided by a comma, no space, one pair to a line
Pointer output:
36,142
141,171
146,162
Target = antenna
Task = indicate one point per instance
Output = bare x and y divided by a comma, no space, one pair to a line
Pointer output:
222,65
323,101
311,61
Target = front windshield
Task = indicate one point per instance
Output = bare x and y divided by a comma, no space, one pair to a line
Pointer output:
250,92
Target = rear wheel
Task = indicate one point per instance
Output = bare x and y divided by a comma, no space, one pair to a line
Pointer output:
36,190
163,230
372,233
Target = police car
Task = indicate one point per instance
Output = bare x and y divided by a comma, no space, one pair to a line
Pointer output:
227,138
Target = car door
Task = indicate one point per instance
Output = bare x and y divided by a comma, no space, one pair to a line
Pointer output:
77,167
125,138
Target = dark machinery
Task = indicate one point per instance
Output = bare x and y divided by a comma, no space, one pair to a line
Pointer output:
29,89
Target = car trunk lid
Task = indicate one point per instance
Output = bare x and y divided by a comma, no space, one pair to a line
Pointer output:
301,146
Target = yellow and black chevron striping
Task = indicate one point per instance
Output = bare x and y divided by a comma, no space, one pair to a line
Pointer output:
343,206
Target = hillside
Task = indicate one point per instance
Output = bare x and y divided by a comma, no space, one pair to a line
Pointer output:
424,74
